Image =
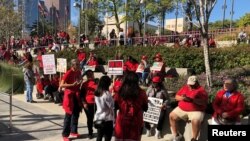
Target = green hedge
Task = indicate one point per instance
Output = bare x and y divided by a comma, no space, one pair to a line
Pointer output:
6,72
220,58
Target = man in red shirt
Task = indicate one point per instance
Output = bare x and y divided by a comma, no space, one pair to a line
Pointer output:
228,104
71,101
192,104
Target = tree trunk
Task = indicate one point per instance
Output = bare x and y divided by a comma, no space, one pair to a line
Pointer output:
206,60
204,34
140,28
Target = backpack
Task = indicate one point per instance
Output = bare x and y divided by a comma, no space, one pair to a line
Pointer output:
121,36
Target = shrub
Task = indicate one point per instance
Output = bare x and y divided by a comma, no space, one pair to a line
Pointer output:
220,58
6,72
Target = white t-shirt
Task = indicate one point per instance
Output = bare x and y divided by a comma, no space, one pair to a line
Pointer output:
104,107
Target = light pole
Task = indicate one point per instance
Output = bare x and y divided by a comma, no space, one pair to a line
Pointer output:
78,5
224,7
126,23
232,14
144,28
176,15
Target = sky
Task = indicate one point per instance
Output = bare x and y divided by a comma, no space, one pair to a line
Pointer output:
241,7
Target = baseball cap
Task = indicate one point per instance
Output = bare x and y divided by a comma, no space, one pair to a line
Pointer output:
192,80
156,79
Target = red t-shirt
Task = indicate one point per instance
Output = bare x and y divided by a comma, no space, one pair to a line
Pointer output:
89,88
92,63
199,93
81,55
71,77
39,58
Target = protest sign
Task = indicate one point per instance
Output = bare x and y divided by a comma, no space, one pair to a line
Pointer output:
61,65
49,66
115,67
157,66
153,113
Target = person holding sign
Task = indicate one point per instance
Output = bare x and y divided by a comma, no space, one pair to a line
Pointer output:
192,100
228,104
143,69
157,90
72,104
159,67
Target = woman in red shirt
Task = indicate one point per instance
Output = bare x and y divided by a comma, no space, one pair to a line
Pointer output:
87,90
131,101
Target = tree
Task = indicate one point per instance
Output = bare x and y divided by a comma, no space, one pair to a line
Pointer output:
244,21
113,8
203,9
91,16
219,24
187,9
11,21
159,8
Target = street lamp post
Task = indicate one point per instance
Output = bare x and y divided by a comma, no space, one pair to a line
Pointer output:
78,5
232,14
224,7
144,28
126,23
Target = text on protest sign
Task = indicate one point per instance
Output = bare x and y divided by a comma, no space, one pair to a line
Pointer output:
140,68
154,109
61,65
115,67
157,66
49,66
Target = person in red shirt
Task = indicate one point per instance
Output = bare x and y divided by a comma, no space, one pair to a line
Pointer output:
87,90
191,107
92,61
228,104
39,59
81,56
52,87
130,65
162,72
131,101
211,42
71,101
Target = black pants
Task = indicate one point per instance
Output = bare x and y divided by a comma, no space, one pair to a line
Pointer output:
71,122
90,117
106,131
49,90
160,122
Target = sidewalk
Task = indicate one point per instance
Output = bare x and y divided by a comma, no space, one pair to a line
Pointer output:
39,121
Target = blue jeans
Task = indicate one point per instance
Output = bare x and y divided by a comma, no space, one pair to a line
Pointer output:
29,91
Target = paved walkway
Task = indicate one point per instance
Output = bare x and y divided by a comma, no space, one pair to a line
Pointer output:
39,121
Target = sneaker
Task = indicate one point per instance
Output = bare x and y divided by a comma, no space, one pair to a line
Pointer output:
148,133
90,136
32,101
74,135
66,139
177,137
193,139
157,134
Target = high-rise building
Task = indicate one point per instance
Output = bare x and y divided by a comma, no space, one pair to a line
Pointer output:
29,10
58,13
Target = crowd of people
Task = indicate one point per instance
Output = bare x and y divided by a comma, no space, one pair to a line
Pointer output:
113,108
